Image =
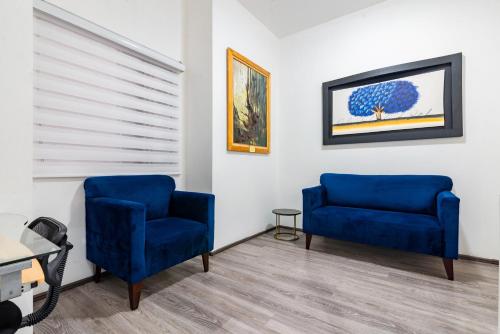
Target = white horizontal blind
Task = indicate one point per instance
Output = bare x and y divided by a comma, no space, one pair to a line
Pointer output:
101,108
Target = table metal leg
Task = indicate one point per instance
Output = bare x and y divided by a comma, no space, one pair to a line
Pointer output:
285,236
294,226
279,224
276,227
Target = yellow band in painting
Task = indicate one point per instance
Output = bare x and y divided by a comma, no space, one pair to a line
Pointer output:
388,122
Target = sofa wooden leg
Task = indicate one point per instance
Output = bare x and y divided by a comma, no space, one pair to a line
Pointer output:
308,240
448,266
97,274
205,261
134,295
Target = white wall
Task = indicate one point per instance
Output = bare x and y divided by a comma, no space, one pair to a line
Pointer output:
198,94
245,185
154,23
16,63
391,33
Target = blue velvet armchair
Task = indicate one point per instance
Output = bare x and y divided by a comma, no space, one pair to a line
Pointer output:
138,226
416,213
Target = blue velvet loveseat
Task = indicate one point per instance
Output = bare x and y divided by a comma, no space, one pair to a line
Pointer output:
416,213
138,226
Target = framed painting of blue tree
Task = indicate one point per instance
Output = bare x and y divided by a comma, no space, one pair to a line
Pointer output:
417,100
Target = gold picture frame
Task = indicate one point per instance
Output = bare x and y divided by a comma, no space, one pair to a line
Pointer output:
248,125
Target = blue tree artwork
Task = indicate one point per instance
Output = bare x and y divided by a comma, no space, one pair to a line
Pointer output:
386,97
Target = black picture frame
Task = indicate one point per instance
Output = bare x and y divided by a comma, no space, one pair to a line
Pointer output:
452,64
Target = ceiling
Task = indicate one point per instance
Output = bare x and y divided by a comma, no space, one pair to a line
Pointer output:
285,17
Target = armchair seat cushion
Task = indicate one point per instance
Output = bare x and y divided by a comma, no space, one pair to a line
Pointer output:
407,231
172,240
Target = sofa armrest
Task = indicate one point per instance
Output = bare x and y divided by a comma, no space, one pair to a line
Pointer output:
312,198
116,236
447,212
195,206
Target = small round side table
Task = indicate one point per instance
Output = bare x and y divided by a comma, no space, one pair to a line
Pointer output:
286,236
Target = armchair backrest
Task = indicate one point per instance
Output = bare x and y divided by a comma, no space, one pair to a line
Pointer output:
404,193
154,191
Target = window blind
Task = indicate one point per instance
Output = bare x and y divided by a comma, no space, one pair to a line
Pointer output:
100,106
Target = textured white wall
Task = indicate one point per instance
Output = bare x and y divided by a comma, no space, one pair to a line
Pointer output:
390,33
245,185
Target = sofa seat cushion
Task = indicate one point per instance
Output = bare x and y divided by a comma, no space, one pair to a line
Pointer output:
399,230
170,241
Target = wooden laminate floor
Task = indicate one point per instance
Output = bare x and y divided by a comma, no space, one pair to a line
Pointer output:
270,286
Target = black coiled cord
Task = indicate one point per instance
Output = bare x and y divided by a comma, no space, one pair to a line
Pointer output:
52,296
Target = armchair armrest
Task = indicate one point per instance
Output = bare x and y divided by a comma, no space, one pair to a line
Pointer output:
116,236
194,206
312,198
447,212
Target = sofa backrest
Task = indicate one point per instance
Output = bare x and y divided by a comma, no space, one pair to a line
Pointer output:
404,193
154,191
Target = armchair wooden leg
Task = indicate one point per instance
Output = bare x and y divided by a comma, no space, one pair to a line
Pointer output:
448,266
134,295
308,240
205,261
97,274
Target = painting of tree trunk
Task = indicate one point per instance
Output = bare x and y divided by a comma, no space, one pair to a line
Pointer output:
248,105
